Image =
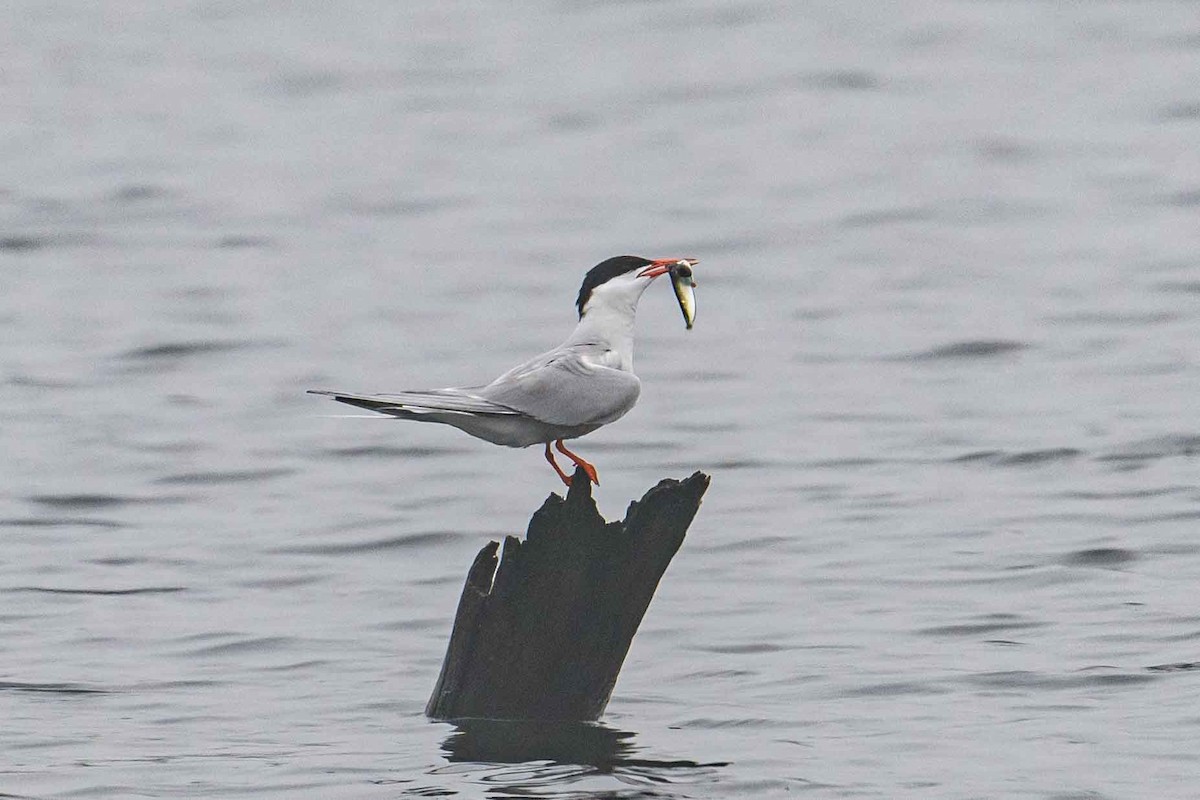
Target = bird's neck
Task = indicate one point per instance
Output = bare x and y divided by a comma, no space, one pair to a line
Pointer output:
610,328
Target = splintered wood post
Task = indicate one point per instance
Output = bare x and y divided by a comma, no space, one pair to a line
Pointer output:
543,634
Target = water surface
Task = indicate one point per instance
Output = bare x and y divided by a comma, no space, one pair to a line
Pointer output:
944,377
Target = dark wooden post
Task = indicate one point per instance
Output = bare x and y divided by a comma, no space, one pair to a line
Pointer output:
541,632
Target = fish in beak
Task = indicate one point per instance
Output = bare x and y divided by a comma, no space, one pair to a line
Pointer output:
685,288
682,282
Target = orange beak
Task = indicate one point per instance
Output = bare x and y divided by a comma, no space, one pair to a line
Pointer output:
663,265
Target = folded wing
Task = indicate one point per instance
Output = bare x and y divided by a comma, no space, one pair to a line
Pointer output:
407,404
566,390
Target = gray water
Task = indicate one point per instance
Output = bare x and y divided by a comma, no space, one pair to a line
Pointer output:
944,377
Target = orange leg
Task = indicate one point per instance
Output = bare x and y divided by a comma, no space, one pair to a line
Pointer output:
550,457
579,462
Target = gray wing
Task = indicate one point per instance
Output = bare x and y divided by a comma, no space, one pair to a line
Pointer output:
562,388
407,403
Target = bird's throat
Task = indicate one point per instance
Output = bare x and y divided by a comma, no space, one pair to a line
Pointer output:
610,330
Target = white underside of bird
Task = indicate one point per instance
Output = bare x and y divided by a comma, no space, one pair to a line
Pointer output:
584,383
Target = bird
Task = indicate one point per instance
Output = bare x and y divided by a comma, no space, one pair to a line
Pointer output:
581,385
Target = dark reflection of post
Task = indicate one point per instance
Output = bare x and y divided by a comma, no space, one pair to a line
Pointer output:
585,744
516,742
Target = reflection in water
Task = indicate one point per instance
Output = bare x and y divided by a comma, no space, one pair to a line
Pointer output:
554,754
514,742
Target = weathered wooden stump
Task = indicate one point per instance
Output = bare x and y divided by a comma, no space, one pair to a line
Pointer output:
544,634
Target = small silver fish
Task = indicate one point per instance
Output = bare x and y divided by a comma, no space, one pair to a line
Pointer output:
684,285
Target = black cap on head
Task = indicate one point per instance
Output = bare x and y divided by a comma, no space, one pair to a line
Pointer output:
606,271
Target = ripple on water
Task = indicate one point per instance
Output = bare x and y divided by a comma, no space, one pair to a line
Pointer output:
391,451
59,522
50,688
1188,198
853,80
1177,287
225,476
78,501
1170,445
1178,666
1109,319
28,381
1100,557
747,648
1007,150
988,623
131,193
1091,677
282,581
242,241
969,350
249,644
895,689
1124,494
715,723
1020,458
19,243
171,351
884,216
102,592
368,546
83,502
1179,111
746,543
172,355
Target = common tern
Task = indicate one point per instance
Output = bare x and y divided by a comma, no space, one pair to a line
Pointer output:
584,383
